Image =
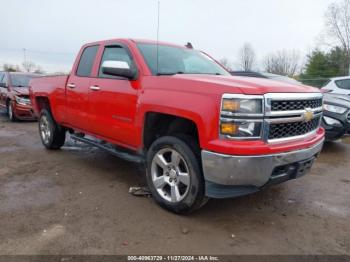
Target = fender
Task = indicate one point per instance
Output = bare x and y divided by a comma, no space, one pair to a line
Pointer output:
200,108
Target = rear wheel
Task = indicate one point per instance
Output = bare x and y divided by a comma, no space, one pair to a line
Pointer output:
52,135
174,175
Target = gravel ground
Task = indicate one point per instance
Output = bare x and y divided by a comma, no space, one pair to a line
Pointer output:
76,201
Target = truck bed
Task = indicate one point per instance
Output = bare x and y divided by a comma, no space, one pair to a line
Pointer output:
50,87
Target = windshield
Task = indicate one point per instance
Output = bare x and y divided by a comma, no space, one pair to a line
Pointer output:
21,80
178,60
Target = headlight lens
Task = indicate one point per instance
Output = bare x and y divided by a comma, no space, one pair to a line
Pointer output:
242,106
22,100
241,129
241,116
334,109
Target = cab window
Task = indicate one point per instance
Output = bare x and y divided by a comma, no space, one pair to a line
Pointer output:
3,79
87,61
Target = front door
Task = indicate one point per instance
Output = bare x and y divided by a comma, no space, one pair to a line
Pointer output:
113,101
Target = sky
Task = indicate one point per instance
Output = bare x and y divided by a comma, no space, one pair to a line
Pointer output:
52,31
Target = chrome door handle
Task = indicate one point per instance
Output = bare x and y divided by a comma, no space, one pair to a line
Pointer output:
71,85
95,88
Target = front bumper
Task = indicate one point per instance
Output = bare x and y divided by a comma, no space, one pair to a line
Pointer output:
231,176
24,112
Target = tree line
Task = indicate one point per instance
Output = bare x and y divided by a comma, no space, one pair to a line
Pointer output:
320,65
27,66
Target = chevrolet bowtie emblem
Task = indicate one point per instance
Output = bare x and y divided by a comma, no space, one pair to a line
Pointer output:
308,115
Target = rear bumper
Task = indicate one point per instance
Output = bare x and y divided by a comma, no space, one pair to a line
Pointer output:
231,176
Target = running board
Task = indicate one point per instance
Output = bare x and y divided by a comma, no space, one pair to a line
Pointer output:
139,159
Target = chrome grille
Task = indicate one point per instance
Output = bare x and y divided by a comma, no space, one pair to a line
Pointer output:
290,105
285,130
292,115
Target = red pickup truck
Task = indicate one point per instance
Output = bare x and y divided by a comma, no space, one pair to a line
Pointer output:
200,132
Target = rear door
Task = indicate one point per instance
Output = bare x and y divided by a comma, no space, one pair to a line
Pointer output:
77,90
113,100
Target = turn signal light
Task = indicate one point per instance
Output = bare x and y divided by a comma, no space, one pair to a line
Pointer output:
230,105
229,128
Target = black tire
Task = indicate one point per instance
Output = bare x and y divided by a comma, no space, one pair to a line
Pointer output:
195,196
10,114
52,135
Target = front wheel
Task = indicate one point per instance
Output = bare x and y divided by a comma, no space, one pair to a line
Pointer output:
174,175
52,135
10,113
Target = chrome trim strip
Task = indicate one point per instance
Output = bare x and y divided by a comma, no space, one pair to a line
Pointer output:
242,96
290,113
226,113
292,138
292,96
242,120
290,119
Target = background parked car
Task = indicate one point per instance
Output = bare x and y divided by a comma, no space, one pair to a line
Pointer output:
14,95
336,115
265,75
339,85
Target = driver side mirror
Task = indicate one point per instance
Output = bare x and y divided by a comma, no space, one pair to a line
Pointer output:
118,68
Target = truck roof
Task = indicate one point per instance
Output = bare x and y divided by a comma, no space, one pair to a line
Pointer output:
137,41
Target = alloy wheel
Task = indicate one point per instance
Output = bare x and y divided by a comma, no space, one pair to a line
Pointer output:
170,175
45,130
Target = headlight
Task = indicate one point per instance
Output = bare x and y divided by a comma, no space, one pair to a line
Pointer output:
241,116
334,109
242,106
241,129
22,100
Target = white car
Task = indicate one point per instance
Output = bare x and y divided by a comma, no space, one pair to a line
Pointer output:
338,85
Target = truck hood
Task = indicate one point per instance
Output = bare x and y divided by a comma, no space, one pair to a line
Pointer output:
21,90
248,85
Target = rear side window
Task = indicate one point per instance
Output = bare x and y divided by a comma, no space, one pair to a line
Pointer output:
114,53
1,76
343,84
4,79
87,61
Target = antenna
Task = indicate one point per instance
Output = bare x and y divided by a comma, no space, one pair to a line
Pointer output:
158,37
24,55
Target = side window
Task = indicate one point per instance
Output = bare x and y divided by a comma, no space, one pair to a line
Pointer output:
114,53
87,61
1,76
343,84
4,79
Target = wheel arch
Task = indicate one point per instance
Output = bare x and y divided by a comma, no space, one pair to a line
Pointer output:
157,124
